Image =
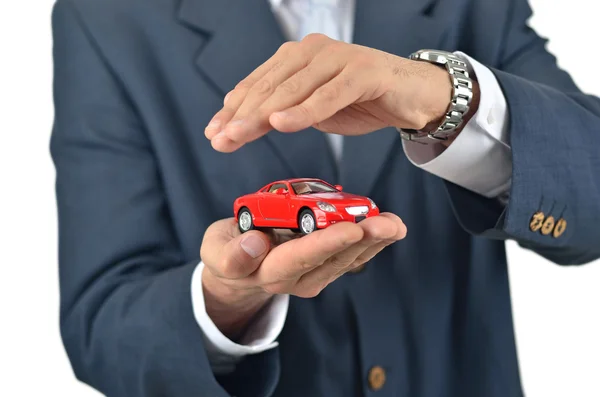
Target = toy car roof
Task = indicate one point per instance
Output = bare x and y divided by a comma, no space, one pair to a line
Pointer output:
295,180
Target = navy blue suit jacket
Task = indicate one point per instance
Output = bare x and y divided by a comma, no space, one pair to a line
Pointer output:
137,81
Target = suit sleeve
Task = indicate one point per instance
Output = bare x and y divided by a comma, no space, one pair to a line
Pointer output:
554,133
127,320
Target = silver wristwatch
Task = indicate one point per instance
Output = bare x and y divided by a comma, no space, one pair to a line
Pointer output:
462,94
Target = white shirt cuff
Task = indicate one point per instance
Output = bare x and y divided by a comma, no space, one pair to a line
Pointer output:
479,159
223,354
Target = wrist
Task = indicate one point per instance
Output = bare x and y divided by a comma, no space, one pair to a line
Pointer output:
421,98
230,309
437,99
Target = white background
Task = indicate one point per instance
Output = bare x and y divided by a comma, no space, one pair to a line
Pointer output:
557,310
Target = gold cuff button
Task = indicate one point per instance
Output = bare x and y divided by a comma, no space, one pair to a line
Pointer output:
560,228
376,378
548,226
537,221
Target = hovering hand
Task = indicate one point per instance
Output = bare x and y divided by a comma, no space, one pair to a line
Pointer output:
243,271
334,86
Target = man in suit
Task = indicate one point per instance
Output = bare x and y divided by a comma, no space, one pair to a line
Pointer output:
165,112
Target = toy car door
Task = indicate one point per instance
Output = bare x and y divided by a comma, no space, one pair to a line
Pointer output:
275,204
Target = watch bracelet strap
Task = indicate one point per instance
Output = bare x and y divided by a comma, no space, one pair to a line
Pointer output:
462,87
415,136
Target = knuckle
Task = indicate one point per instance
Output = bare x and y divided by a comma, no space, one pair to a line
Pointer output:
290,86
334,47
329,92
301,264
301,53
315,38
276,66
229,267
242,86
306,111
264,86
338,263
286,47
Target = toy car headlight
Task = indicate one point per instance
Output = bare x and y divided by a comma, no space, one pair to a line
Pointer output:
373,205
323,206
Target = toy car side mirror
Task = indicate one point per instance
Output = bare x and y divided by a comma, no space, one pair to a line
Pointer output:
281,191
338,187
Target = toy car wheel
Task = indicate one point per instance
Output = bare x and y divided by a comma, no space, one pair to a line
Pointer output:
306,222
245,220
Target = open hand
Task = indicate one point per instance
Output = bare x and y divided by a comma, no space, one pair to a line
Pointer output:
243,271
334,86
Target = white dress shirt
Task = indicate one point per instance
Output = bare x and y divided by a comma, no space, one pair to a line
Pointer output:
479,160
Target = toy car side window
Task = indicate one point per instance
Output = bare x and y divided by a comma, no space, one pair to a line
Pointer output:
277,186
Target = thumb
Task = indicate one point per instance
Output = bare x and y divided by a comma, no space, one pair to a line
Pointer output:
241,256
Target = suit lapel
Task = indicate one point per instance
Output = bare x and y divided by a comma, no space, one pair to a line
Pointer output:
399,27
243,34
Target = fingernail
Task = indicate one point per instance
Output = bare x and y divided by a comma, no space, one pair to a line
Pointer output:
282,115
213,125
254,246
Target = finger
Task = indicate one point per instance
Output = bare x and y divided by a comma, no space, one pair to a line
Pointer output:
402,229
280,236
371,252
352,121
231,255
378,231
300,86
287,262
235,97
266,86
343,90
223,144
252,119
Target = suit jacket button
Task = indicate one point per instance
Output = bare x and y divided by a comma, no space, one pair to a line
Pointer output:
560,228
376,378
537,220
548,226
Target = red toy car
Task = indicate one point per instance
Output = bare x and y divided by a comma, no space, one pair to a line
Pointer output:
303,205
